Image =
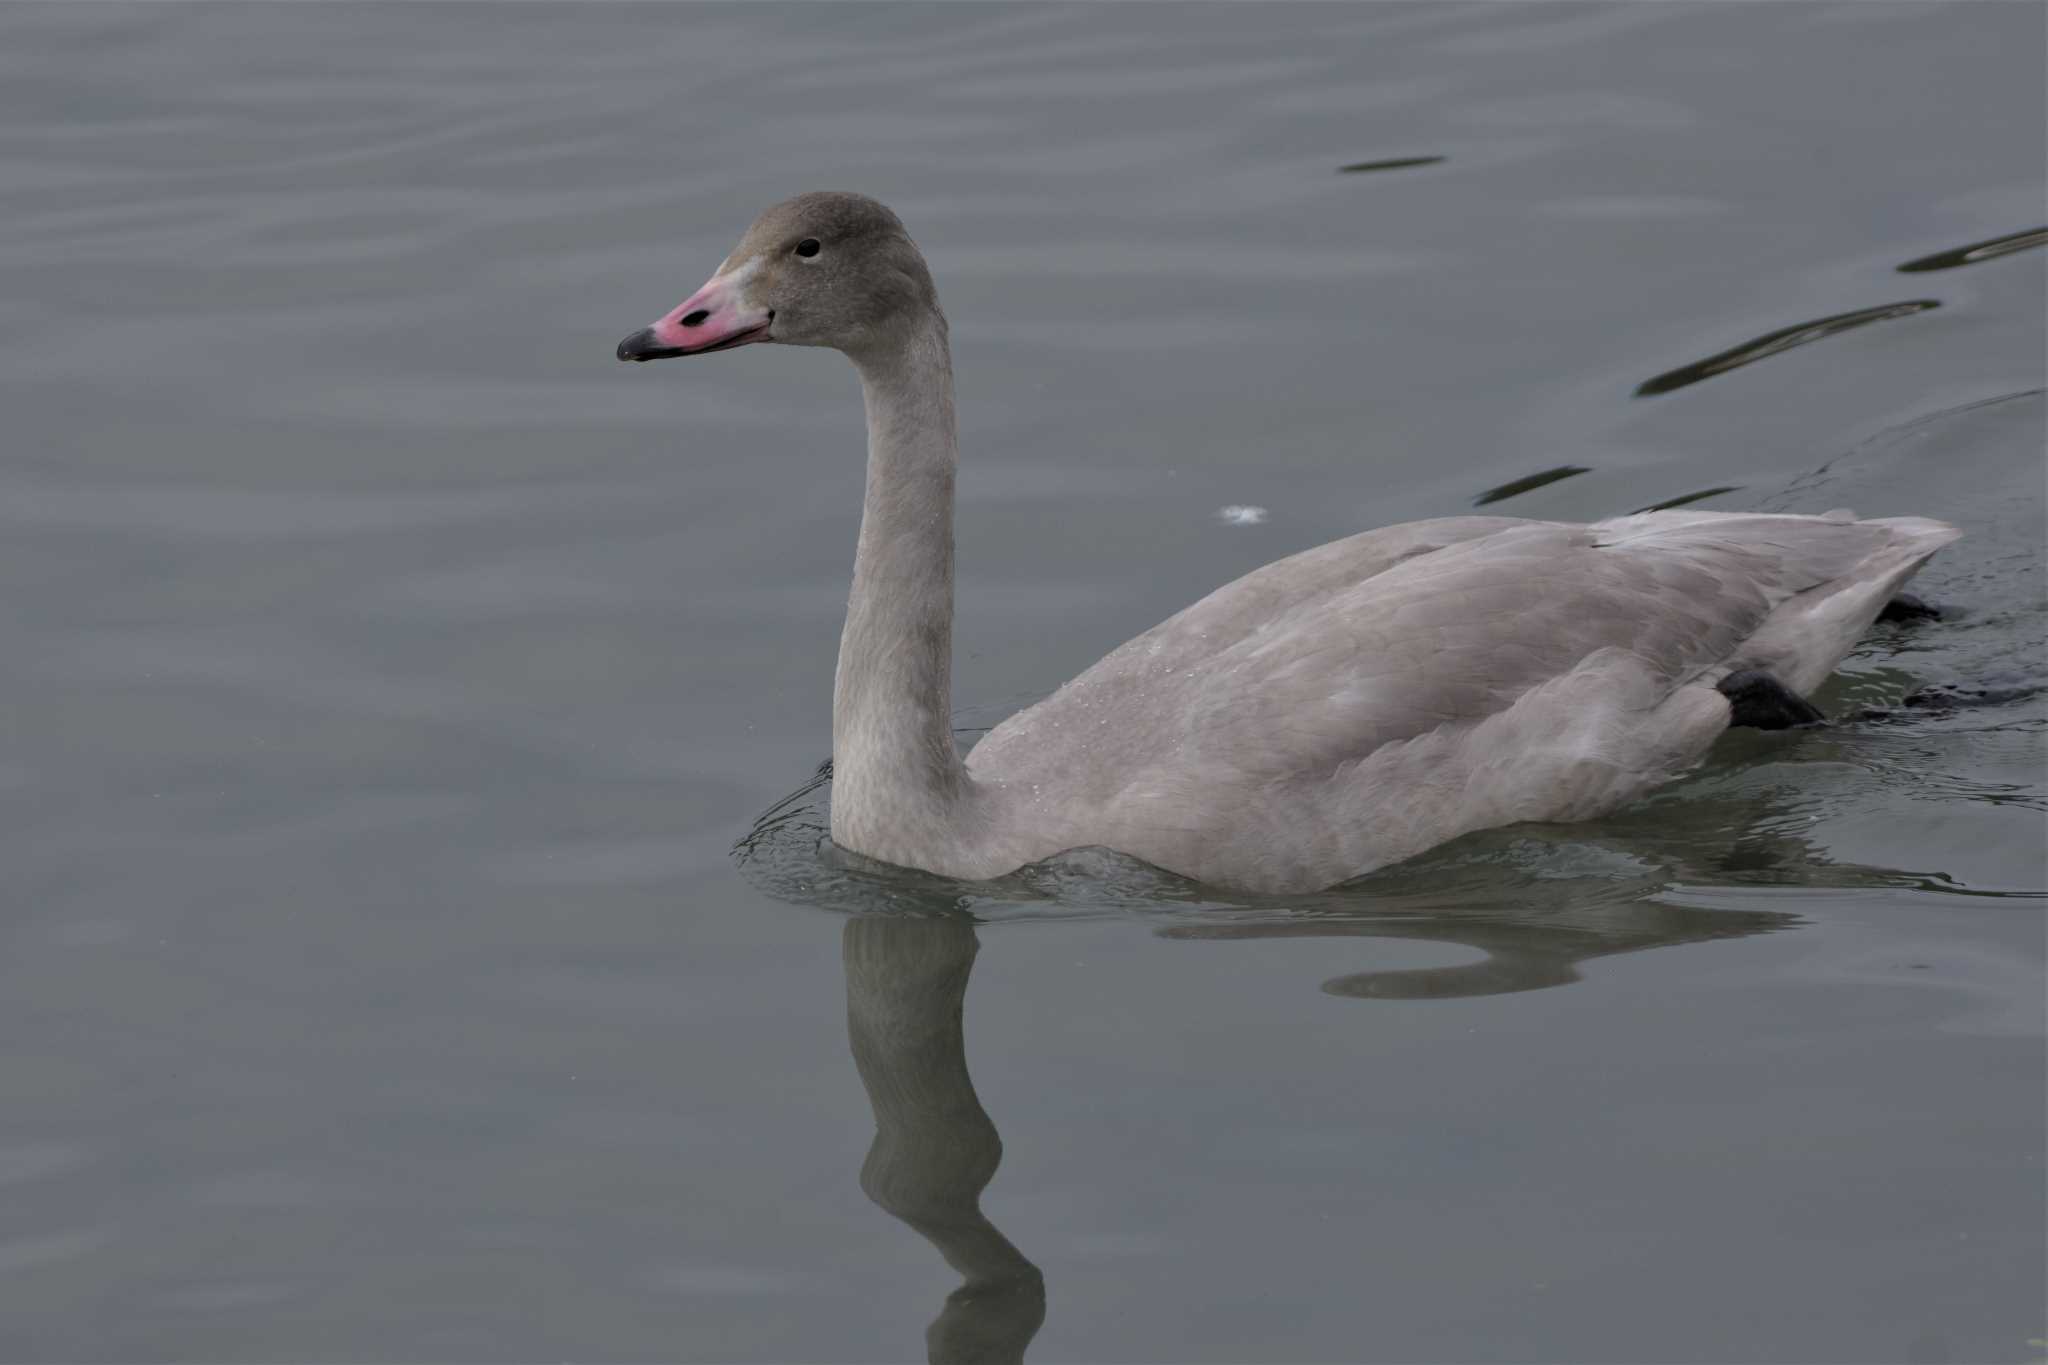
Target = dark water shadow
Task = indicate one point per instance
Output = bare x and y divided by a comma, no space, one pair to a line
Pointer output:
1777,343
1528,483
1392,163
1976,252
935,1147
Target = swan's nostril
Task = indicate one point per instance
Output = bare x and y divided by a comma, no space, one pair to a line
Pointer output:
693,319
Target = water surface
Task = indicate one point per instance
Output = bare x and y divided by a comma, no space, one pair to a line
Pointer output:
391,674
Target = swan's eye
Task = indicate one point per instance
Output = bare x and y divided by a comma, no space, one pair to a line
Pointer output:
807,247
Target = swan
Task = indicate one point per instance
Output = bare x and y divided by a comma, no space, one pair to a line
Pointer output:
1330,713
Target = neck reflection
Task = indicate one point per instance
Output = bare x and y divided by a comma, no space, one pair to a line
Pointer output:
935,1148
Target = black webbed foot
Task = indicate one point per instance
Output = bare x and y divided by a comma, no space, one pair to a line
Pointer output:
1906,607
1760,701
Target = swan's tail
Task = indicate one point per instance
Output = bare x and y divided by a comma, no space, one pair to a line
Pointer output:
1810,632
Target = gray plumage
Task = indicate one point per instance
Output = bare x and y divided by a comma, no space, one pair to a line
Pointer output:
1320,717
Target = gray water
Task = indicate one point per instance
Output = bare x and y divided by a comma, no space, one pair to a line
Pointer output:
390,676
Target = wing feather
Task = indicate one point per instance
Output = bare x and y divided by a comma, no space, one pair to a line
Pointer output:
1320,660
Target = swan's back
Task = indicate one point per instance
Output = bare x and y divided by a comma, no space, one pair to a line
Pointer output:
1348,706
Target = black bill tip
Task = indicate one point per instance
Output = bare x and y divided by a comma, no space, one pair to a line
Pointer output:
642,346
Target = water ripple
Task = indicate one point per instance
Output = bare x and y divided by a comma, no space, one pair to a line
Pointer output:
1528,483
1776,343
1977,251
1390,164
1688,499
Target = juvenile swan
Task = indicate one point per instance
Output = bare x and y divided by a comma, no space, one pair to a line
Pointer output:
1323,716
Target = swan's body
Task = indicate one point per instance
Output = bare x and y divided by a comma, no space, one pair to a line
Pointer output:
1323,716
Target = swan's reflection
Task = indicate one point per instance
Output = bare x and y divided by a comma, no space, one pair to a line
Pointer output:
1536,902
909,957
935,1148
1625,895
1521,954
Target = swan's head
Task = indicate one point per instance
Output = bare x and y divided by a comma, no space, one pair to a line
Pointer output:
822,269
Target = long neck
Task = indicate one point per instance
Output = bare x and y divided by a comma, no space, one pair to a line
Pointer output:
896,774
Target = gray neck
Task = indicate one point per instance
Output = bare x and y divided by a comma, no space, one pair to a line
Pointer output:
897,779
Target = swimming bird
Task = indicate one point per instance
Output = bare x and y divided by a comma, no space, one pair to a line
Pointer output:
1335,711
